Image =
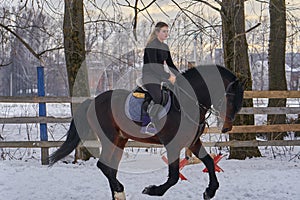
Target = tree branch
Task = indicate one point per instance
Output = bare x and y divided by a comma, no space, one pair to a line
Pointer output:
128,4
161,9
104,20
183,11
210,5
247,31
22,41
147,13
6,64
147,6
48,50
135,19
252,28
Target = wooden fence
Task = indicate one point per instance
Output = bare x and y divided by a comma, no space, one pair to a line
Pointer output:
236,129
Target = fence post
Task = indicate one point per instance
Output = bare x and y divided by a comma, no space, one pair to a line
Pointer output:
42,113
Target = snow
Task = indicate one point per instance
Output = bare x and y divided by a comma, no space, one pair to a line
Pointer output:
259,178
23,132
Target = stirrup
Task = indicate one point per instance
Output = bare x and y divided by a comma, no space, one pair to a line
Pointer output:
150,129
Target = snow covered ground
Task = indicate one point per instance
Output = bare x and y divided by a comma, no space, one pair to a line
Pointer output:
260,178
22,177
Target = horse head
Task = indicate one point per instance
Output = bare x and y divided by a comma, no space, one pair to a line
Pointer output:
234,100
210,83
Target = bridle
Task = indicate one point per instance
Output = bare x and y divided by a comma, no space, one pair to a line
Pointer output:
215,111
222,100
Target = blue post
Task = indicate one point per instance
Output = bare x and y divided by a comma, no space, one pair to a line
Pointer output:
42,113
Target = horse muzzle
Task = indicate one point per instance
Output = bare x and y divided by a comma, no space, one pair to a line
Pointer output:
227,126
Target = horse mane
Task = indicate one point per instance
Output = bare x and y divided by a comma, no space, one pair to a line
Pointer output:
194,72
201,75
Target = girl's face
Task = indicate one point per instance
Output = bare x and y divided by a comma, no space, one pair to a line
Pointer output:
163,33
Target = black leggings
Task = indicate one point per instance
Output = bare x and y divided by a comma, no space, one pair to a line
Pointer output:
155,92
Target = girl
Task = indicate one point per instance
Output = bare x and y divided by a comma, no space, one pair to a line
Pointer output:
157,54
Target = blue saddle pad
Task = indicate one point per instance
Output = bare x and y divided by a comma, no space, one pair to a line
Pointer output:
133,108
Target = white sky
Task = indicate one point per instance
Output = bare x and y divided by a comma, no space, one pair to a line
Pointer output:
253,7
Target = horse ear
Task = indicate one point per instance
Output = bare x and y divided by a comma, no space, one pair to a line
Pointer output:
236,83
244,83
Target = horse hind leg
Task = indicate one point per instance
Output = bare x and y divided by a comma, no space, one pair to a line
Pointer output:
117,189
108,163
112,149
200,152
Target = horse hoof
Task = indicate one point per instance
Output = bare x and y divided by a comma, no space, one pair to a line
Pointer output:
151,190
147,190
205,196
119,196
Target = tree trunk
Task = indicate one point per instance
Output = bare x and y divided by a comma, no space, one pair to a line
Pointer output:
277,78
236,59
74,45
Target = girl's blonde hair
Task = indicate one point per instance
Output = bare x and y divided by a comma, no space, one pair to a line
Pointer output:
157,28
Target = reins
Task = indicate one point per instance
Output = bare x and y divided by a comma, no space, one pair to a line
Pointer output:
178,90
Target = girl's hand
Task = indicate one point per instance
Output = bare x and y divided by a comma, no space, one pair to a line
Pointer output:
172,79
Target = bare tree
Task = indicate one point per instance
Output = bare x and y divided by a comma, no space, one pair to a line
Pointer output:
277,45
137,10
75,55
29,41
236,58
235,49
74,45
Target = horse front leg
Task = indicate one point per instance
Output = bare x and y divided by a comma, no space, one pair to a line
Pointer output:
153,190
200,152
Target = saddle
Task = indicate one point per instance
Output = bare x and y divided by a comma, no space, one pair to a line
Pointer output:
138,101
141,92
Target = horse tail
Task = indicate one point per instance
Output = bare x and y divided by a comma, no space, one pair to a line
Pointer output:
67,147
79,124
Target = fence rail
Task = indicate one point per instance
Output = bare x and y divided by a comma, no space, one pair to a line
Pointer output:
269,110
53,144
39,99
29,120
36,99
271,94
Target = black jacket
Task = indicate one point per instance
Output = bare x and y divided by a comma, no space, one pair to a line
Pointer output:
155,54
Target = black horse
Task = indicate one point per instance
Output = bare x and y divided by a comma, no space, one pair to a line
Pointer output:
198,91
